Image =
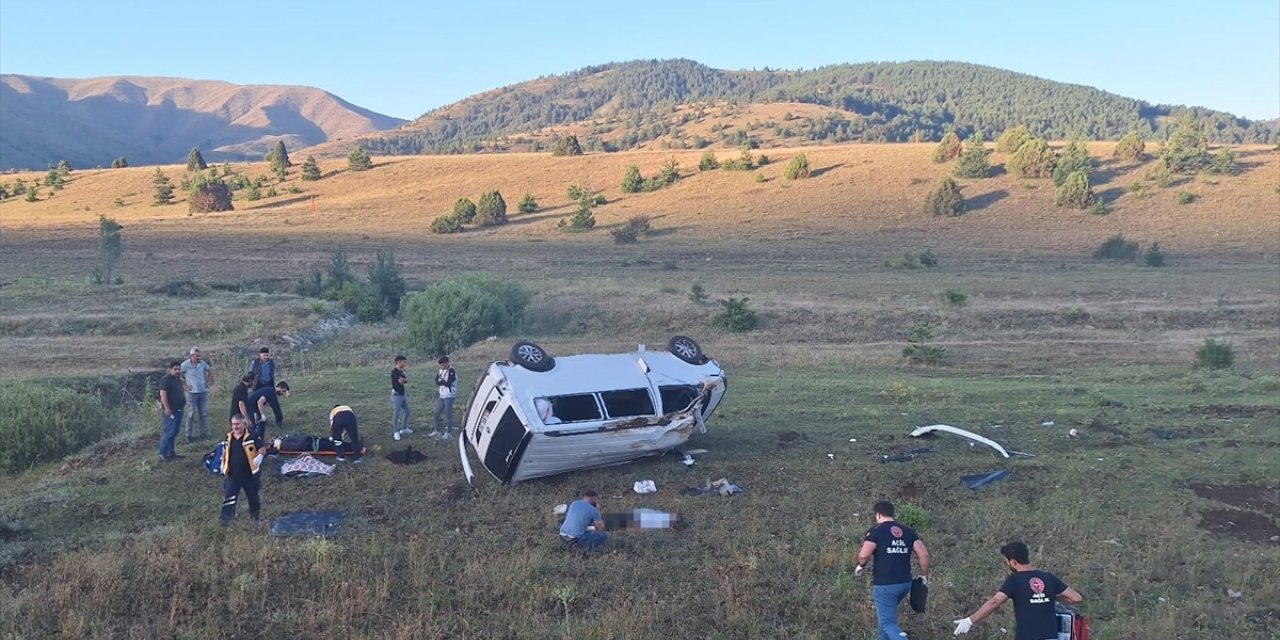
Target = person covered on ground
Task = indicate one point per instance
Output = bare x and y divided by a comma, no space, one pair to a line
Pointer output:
583,513
259,400
1033,593
399,401
240,396
344,432
447,384
241,462
173,400
264,377
892,544
197,376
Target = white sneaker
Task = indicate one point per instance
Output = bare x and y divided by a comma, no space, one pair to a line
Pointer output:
396,435
446,436
433,434
407,431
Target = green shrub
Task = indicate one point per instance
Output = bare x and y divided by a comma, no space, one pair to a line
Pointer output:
913,517
697,293
919,348
949,149
1154,257
1116,248
1034,159
973,161
40,423
527,204
311,170
1131,147
464,210
736,316
446,224
955,298
1074,192
566,146
945,199
1187,149
1075,158
670,172
630,232
708,161
579,193
1215,355
582,220
462,311
760,179
491,209
1224,163
798,168
1101,207
359,160
1162,176
1186,197
632,181
1013,139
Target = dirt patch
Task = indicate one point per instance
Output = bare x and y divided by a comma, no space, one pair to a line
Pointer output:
9,533
791,438
1245,496
1243,525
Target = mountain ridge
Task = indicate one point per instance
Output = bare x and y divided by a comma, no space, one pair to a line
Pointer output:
155,120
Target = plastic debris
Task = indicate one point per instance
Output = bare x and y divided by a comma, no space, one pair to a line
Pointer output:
560,509
688,460
970,436
718,487
308,524
645,486
1073,433
907,456
1047,423
979,480
831,455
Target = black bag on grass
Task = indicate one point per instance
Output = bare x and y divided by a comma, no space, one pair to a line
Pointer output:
919,595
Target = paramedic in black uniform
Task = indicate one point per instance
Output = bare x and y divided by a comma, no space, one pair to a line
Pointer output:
1033,593
892,544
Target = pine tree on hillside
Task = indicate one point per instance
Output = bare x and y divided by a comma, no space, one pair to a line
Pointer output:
119,163
279,155
567,146
311,170
973,162
64,168
1011,139
163,189
1187,150
1034,159
1131,147
110,246
945,199
195,161
359,160
1075,158
491,209
949,149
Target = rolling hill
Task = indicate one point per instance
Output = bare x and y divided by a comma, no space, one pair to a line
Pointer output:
681,104
89,122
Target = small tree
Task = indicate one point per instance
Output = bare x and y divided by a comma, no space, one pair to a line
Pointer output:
254,192
464,210
163,189
278,158
19,187
119,163
1131,147
1187,150
527,204
64,168
798,168
582,220
446,224
339,272
1034,159
311,170
209,194
708,162
630,232
33,193
945,199
1116,248
1154,257
359,160
973,162
1224,163
110,246
1074,192
949,149
670,171
1074,159
1013,139
1215,355
566,146
53,179
386,279
736,316
632,181
491,209
195,161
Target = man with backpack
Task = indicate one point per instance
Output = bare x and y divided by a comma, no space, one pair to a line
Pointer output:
1033,593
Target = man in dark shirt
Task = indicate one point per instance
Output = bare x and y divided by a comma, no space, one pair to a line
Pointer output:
240,396
240,465
345,432
399,401
173,400
892,544
1033,593
264,378
258,401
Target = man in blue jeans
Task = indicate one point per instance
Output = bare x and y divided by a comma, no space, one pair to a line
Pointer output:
892,544
173,399
584,512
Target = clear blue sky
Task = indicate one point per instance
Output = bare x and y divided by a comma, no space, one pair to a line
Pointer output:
403,58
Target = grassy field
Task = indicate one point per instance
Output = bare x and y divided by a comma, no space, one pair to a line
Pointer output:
1156,532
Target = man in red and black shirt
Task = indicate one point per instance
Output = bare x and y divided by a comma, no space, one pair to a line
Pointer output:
892,544
1033,593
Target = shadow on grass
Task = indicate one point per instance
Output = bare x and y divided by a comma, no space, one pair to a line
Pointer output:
978,203
818,172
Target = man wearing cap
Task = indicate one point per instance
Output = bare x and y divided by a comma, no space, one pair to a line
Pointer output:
197,377
447,383
264,379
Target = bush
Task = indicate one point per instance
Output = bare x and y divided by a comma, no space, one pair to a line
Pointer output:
1075,158
949,149
1187,150
464,210
1215,355
632,181
670,172
1186,197
579,193
945,199
697,293
120,163
798,168
527,204
1224,163
913,517
1131,147
1013,139
708,162
582,220
1162,176
631,231
973,162
1034,159
459,312
40,423
491,209
1116,248
387,281
209,194
311,170
1153,257
566,146
446,224
955,298
736,316
919,350
359,160
1074,192
1101,207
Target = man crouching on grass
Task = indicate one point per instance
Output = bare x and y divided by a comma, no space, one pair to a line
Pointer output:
584,512
241,462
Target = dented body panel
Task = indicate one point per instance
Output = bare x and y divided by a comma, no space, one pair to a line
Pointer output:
588,411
